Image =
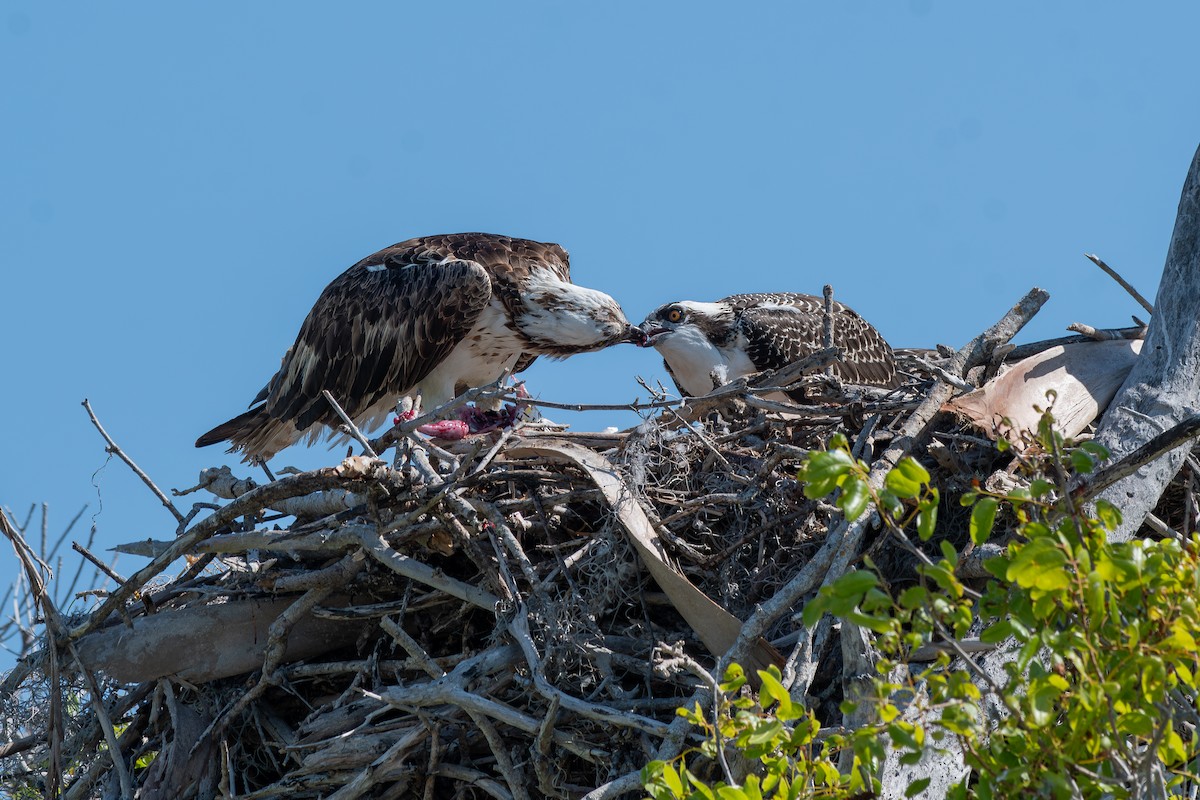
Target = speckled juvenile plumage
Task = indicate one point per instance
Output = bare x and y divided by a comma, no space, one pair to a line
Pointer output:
714,343
435,316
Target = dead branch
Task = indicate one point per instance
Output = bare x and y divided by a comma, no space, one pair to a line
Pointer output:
1112,273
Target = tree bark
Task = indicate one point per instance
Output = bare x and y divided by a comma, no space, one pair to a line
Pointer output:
1164,384
1161,391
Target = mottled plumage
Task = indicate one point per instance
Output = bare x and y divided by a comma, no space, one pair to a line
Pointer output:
707,344
431,317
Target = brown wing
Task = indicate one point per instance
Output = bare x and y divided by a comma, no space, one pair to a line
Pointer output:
377,330
784,327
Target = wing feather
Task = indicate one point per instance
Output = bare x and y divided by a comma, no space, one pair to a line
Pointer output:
784,327
377,330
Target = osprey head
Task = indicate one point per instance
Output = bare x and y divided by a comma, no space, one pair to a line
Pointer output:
686,319
562,318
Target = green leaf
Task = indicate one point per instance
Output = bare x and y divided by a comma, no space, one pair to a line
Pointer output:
765,733
983,517
927,520
1081,462
997,633
854,497
913,470
828,464
854,584
773,689
913,597
917,786
1108,514
1040,488
900,484
1038,564
671,779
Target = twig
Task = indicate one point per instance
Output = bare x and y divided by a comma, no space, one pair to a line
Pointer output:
519,628
515,781
842,543
354,431
249,503
1090,485
97,563
1102,334
1095,259
117,451
827,323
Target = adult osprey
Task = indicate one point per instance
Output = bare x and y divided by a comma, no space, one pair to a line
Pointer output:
426,318
707,344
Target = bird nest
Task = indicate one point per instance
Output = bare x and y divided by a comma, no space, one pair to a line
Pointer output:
519,616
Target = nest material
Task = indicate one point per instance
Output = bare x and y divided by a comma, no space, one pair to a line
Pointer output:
455,624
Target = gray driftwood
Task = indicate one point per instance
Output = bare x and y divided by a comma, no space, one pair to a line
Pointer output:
1164,384
1160,393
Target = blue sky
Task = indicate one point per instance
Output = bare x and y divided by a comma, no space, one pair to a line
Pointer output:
180,181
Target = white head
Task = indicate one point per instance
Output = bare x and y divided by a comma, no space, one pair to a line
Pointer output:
562,318
691,336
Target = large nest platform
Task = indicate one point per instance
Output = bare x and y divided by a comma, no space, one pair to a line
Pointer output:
519,617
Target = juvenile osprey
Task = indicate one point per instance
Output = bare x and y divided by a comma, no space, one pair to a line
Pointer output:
426,318
705,345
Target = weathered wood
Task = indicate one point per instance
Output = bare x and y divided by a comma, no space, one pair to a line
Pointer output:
1160,392
1084,378
205,643
715,626
1164,385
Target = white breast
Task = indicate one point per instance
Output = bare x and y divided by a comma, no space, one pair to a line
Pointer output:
697,363
482,356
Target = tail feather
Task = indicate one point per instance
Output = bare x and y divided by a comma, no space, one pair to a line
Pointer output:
255,433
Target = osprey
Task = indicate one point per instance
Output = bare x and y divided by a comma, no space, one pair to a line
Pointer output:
427,318
705,345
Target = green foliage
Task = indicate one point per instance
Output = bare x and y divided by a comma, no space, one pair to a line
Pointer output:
1098,700
793,756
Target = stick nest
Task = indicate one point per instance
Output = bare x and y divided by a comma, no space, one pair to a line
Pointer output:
466,624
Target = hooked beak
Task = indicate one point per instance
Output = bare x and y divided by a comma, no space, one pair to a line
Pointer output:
634,335
652,334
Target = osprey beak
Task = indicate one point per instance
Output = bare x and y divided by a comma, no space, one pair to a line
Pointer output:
635,335
652,334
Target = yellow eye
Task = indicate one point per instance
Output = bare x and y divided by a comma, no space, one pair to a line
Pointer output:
674,315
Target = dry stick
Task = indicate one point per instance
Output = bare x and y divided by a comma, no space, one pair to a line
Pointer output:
1105,334
369,776
827,323
516,783
1095,259
1033,348
56,628
114,449
354,431
378,548
338,574
473,777
55,729
541,751
249,503
1088,486
519,628
842,543
97,563
110,734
